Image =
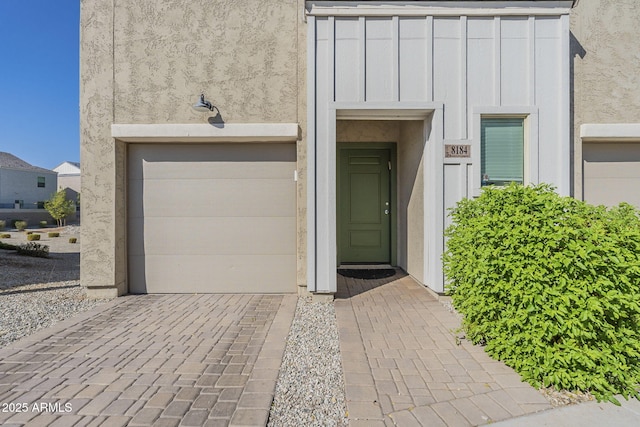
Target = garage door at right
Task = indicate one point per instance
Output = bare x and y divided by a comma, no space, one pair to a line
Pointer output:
611,172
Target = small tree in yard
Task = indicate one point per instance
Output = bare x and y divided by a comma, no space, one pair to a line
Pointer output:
59,207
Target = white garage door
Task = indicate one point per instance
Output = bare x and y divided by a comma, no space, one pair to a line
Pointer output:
211,218
611,172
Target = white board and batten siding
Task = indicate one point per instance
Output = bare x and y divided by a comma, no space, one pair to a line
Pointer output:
473,59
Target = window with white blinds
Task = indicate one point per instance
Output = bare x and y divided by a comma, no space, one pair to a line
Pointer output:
502,151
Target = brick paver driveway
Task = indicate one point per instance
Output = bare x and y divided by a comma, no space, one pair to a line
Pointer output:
403,364
163,360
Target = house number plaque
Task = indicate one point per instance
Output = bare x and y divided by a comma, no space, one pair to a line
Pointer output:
457,150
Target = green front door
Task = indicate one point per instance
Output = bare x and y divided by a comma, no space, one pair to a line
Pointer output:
364,206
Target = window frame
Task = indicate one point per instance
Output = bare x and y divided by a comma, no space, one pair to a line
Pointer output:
44,180
529,116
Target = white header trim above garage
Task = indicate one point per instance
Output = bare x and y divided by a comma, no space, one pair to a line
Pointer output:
241,132
438,8
610,132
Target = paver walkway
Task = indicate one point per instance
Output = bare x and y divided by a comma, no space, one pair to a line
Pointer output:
165,360
403,365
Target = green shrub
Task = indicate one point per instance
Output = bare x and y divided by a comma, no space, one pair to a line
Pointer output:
551,285
3,224
21,225
33,236
72,240
43,224
34,249
53,234
8,246
5,236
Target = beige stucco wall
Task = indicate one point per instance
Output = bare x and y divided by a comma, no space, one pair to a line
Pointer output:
606,81
147,62
97,149
367,131
411,198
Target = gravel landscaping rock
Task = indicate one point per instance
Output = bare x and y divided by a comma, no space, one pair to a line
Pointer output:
310,388
559,398
28,308
38,292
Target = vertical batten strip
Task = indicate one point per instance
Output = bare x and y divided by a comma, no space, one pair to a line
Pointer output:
565,143
395,46
533,157
362,91
311,154
326,262
331,57
464,132
429,65
532,60
331,260
497,61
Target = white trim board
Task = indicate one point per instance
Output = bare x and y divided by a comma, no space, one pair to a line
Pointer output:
240,132
610,132
438,8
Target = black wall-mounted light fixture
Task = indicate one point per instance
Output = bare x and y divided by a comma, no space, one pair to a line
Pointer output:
203,105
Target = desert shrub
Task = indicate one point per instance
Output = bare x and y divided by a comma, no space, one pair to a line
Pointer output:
20,225
551,285
33,236
43,224
34,249
3,224
53,234
5,236
72,240
8,246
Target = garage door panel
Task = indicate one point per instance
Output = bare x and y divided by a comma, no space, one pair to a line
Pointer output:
224,236
215,198
188,161
628,169
201,274
223,170
611,173
611,151
212,218
612,191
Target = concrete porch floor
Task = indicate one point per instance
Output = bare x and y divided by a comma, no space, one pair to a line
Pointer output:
403,366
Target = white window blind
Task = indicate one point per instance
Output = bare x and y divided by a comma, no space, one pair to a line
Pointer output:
502,151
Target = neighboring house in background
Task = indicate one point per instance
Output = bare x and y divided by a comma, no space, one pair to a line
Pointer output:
606,101
68,176
24,188
343,132
69,179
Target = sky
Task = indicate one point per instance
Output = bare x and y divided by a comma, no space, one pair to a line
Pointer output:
39,69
